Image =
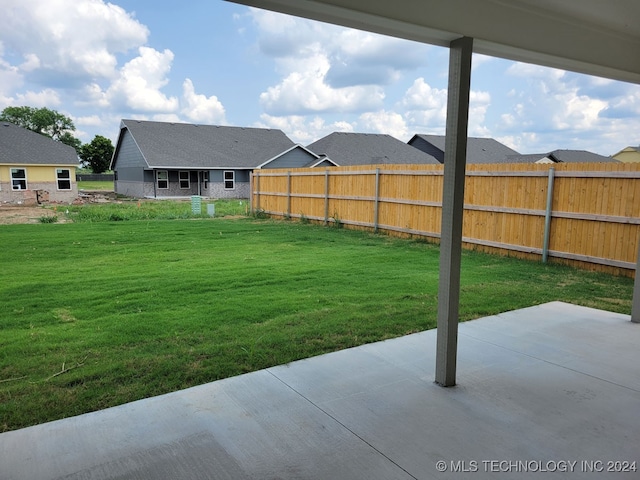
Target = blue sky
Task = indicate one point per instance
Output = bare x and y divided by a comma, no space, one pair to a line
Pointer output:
214,62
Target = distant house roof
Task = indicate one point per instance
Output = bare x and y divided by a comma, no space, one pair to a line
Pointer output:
313,158
20,146
479,150
347,149
630,148
629,154
185,145
561,156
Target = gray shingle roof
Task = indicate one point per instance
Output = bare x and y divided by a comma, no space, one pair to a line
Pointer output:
20,146
368,149
187,145
479,150
527,158
583,156
562,156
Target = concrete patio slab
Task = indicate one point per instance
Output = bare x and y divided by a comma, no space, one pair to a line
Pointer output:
546,391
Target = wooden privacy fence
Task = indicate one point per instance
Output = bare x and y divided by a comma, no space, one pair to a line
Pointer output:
587,215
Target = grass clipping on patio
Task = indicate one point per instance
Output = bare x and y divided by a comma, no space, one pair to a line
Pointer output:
99,314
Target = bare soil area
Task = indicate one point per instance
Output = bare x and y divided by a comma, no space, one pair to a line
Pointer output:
11,213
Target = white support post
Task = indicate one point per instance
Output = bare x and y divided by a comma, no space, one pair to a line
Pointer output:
452,209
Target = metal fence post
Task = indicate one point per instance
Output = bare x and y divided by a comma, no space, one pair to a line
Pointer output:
377,202
289,193
547,216
326,196
257,191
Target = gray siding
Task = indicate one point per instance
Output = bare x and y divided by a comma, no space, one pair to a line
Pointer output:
296,158
129,155
128,167
130,174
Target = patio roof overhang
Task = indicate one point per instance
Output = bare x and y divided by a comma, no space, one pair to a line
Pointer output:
595,37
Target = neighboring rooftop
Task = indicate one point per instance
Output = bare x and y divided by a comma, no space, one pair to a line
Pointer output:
347,149
168,145
20,146
562,156
479,150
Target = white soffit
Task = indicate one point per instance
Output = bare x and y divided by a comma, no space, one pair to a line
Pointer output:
596,37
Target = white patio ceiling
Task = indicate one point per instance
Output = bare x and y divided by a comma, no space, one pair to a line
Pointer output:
596,37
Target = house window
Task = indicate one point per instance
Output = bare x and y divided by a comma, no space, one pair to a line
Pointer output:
184,180
18,179
229,180
162,179
63,178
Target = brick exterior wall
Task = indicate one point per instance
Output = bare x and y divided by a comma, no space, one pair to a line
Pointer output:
217,190
45,192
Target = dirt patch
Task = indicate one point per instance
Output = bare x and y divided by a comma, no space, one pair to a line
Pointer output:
11,213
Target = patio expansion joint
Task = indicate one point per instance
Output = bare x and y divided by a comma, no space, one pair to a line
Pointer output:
549,362
359,437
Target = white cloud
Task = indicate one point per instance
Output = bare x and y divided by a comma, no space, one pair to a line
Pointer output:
425,107
528,70
10,77
330,69
478,60
383,121
140,82
557,109
305,91
200,108
90,121
578,112
479,103
73,38
45,98
166,117
302,129
93,96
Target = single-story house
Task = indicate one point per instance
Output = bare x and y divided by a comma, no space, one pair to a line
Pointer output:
162,159
347,149
628,155
34,168
561,156
479,150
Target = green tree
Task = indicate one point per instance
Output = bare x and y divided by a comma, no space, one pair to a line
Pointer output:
97,154
44,121
72,141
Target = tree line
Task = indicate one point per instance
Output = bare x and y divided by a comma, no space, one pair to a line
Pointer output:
50,123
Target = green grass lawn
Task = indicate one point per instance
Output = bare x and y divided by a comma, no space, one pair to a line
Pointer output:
95,186
97,314
133,209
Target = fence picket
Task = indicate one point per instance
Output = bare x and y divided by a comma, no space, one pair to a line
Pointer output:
594,221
